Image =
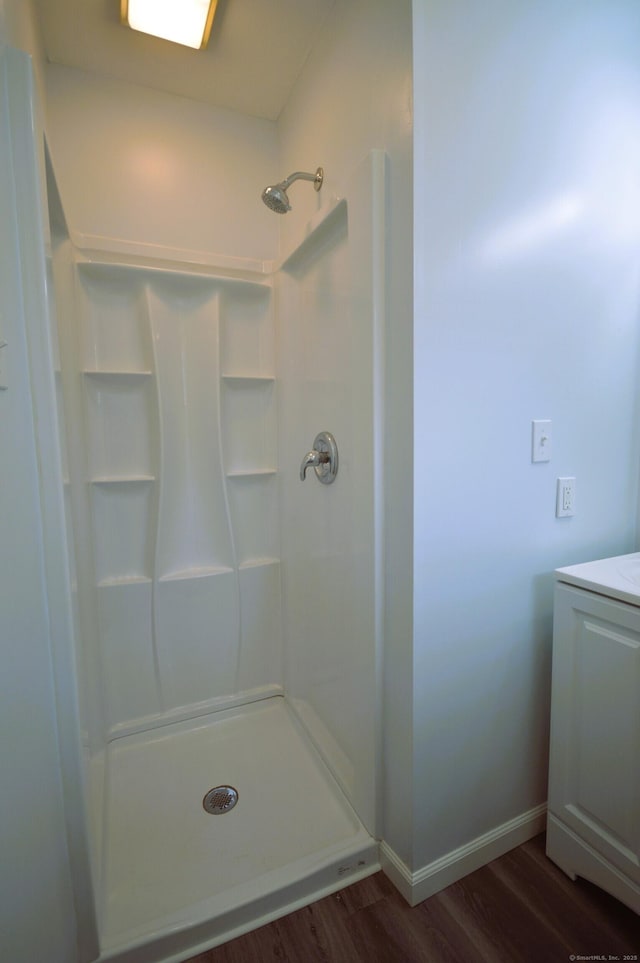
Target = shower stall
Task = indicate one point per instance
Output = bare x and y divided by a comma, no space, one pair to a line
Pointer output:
227,617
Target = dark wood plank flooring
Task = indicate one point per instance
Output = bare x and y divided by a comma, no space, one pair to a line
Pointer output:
518,909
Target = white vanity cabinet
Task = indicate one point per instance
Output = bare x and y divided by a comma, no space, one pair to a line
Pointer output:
593,824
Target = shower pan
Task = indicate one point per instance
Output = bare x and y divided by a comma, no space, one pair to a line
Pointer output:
230,726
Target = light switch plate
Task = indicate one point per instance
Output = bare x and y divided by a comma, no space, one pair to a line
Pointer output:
540,441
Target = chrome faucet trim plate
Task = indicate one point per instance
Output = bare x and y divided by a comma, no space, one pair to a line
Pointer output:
323,458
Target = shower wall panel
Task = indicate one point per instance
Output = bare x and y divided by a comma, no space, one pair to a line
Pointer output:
170,401
330,319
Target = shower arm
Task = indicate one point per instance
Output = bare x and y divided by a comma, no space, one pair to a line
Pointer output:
303,176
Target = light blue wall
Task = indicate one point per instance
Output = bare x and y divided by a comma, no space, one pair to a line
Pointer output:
526,261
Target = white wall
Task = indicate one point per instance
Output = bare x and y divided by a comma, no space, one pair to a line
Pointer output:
148,168
354,95
527,223
37,916
23,33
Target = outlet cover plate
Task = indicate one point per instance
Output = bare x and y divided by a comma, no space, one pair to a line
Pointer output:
566,497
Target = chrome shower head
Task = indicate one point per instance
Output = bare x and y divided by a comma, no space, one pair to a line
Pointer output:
276,199
275,196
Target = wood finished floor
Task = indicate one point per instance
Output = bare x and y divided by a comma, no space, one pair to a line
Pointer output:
519,909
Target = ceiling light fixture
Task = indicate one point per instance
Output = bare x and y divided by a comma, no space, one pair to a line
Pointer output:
186,22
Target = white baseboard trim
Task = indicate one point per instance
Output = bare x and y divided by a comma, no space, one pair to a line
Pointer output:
418,886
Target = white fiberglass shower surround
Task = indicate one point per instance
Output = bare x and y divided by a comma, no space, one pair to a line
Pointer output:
227,616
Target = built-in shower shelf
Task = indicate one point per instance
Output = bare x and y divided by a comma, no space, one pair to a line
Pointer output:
258,563
122,479
124,580
252,473
117,375
197,572
248,380
322,223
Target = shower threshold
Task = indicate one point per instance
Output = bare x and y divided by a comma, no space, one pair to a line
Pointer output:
177,879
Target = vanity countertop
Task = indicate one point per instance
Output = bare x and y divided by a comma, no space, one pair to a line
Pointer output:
617,577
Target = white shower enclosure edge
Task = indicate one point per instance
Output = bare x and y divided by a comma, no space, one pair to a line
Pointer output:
332,643
330,307
33,236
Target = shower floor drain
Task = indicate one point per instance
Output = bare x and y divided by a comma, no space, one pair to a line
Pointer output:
220,799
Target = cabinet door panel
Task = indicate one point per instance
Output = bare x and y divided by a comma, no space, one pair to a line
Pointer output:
595,755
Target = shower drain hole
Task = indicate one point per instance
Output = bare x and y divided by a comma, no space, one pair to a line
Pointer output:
220,799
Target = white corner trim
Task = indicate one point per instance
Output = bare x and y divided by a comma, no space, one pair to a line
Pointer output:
397,871
418,886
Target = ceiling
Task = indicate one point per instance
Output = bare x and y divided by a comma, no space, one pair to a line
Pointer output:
256,51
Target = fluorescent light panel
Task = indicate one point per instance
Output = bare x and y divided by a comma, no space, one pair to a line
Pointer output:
187,22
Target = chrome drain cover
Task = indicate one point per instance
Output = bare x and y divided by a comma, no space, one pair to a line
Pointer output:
220,799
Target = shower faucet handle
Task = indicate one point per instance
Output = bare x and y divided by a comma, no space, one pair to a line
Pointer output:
323,458
312,458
